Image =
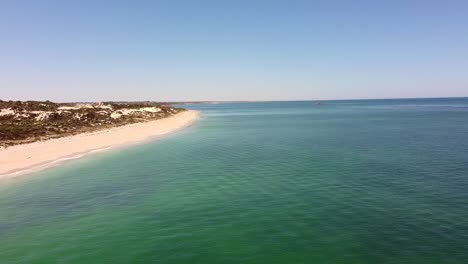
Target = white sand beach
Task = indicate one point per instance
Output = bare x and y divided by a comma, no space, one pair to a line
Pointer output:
18,159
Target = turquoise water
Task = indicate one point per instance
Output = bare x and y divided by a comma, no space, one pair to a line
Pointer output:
378,181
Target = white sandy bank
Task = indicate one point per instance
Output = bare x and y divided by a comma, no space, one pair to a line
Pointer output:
17,159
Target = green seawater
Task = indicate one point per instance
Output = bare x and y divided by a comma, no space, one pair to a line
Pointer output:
373,181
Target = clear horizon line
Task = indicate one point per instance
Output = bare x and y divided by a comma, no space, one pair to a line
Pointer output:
310,100
248,101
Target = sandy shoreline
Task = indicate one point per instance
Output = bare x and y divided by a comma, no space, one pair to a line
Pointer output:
21,159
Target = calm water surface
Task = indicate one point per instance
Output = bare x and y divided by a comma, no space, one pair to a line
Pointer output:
378,181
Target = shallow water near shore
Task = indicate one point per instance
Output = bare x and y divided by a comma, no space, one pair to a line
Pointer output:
371,181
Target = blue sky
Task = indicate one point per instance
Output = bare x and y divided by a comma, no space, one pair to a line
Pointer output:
232,50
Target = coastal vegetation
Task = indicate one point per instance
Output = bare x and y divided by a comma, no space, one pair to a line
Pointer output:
30,121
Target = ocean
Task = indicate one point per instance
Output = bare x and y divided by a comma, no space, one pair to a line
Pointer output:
359,181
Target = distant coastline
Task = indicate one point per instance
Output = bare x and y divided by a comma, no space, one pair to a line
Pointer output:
20,159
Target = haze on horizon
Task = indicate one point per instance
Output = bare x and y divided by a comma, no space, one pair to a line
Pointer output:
232,50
